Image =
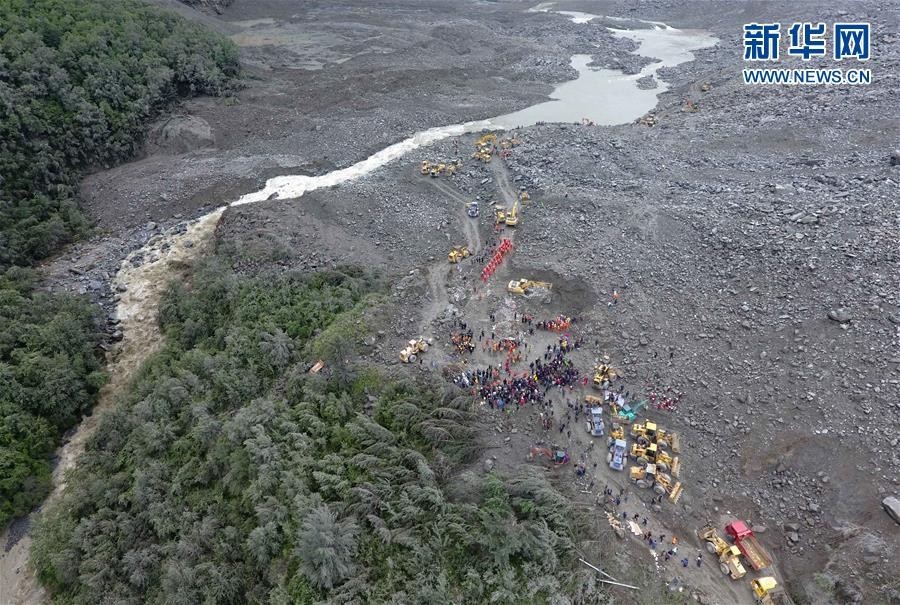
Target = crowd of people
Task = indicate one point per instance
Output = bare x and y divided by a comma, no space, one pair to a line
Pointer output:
500,389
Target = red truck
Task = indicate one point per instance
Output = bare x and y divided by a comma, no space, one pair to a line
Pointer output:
748,544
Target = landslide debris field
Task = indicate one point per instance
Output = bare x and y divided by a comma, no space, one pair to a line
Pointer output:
750,237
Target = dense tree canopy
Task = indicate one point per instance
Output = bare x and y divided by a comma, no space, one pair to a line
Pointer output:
79,82
229,474
49,375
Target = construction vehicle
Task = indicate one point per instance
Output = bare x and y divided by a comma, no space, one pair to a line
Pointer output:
768,592
616,455
670,440
484,147
664,462
457,253
616,432
644,433
603,373
630,411
413,348
650,476
668,463
512,216
524,286
499,216
472,209
749,546
595,424
524,197
556,456
643,454
426,167
729,555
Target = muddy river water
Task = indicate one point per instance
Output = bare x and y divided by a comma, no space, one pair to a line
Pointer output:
603,95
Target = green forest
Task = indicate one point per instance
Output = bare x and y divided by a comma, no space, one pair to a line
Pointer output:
79,83
229,473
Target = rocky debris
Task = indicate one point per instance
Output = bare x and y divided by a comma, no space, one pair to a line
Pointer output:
891,505
840,315
217,6
180,134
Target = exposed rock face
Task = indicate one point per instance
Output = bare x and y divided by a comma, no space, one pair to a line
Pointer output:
215,5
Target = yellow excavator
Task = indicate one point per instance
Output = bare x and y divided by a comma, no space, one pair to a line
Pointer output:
524,286
457,253
512,217
729,555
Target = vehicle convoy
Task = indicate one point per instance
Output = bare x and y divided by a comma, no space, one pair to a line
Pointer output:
457,253
746,541
616,455
414,347
729,555
525,286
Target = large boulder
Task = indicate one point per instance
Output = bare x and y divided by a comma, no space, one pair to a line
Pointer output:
180,134
892,506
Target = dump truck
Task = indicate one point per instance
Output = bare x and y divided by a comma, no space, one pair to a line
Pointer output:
749,546
729,555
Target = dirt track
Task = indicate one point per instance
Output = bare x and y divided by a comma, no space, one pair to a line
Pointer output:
695,221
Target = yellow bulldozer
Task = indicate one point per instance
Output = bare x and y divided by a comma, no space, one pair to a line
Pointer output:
524,197
665,462
457,253
484,147
413,349
525,286
668,439
603,373
650,476
436,169
768,592
644,432
729,555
